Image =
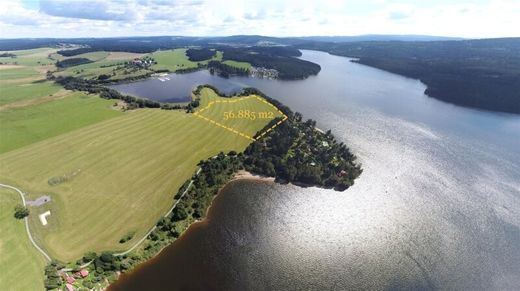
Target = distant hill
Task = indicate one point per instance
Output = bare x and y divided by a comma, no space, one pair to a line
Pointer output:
482,74
378,37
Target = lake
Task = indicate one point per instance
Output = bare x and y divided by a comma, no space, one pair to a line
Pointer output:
437,206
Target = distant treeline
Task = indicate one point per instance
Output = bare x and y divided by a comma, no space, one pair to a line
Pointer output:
225,70
481,74
200,54
72,62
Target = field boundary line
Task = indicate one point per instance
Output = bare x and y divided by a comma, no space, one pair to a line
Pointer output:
155,226
27,222
214,122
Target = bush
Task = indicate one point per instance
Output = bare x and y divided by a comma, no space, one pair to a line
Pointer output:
21,212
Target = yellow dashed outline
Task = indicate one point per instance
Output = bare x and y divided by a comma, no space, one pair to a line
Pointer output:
198,114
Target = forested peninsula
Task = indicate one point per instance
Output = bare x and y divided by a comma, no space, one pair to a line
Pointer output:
293,152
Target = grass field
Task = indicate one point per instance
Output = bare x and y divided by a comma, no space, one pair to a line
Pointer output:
15,92
247,125
16,72
120,175
172,60
242,65
21,266
30,124
33,57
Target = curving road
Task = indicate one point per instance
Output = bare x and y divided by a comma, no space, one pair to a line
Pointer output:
27,222
154,227
116,254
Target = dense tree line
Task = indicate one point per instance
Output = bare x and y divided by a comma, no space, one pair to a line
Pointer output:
482,74
7,55
200,54
225,70
72,62
297,152
288,67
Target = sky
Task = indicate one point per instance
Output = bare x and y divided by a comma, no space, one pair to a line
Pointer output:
108,18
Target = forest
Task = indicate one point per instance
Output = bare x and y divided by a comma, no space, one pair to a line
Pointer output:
199,54
483,74
72,62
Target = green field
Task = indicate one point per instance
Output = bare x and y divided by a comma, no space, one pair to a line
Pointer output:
33,57
124,170
242,65
30,124
16,73
172,60
249,124
20,263
15,92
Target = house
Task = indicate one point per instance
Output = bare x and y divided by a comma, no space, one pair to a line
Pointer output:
69,287
83,273
70,280
342,173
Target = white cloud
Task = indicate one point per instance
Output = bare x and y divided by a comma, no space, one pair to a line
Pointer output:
61,18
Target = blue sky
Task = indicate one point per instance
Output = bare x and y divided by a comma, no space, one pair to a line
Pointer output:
103,18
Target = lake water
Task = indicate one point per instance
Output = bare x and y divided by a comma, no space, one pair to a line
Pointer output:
437,206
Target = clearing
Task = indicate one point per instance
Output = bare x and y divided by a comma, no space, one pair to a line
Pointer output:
118,175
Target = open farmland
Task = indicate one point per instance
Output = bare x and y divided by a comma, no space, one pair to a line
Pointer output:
172,60
35,122
124,171
20,263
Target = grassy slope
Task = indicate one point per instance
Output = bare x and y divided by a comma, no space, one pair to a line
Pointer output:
246,126
242,65
17,72
127,170
33,57
23,126
172,60
15,92
20,264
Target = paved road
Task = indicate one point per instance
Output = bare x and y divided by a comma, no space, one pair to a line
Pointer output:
27,222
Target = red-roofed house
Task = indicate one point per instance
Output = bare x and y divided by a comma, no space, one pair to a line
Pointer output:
83,273
69,287
70,280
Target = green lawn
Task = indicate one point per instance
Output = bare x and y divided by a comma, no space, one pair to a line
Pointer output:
172,60
15,92
120,175
33,57
21,264
23,126
242,65
16,73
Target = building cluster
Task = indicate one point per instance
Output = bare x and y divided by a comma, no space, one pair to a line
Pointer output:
261,72
70,280
142,63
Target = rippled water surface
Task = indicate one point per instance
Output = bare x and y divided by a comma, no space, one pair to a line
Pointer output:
437,206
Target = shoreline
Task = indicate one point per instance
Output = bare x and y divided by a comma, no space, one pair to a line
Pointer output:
246,175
